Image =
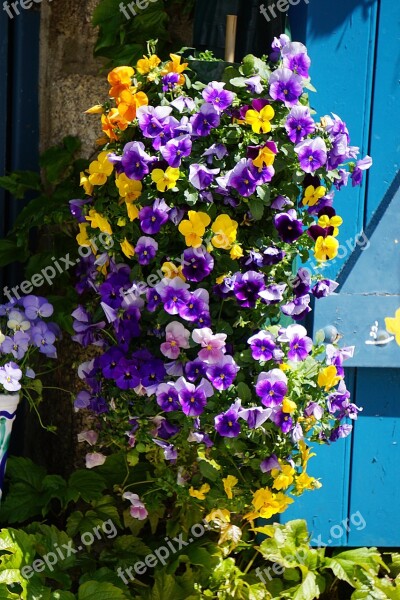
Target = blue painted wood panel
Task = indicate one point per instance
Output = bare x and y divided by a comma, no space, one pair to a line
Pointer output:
375,474
341,44
356,68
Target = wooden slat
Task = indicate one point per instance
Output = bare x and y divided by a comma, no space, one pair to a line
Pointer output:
341,45
375,476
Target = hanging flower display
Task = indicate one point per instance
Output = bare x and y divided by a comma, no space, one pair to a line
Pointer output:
210,197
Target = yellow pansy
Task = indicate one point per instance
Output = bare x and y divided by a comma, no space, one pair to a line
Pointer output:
201,493
266,503
225,230
127,248
313,194
194,228
147,64
165,180
171,271
82,237
305,482
98,221
129,101
219,514
175,66
335,222
265,158
283,477
229,483
112,122
305,452
132,210
120,78
260,120
97,109
328,377
100,169
326,248
129,189
236,252
288,406
393,325
85,183
284,367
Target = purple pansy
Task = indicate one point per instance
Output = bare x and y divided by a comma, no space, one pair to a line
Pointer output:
312,154
215,94
289,227
285,86
197,305
126,374
10,375
263,347
44,339
255,417
227,423
145,250
324,288
295,58
174,294
169,81
201,176
197,264
271,387
299,124
223,373
206,120
152,218
152,119
247,288
17,345
176,149
193,398
300,345
167,397
244,178
36,306
361,166
135,160
194,370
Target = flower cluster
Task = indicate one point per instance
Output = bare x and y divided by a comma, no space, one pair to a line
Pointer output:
24,333
213,193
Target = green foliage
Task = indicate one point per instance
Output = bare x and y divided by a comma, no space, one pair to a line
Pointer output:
122,40
202,569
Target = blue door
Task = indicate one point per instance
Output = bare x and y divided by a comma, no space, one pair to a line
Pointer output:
355,49
19,127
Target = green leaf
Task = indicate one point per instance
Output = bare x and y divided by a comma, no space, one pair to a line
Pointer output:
244,392
85,484
308,590
95,590
256,208
19,182
11,252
